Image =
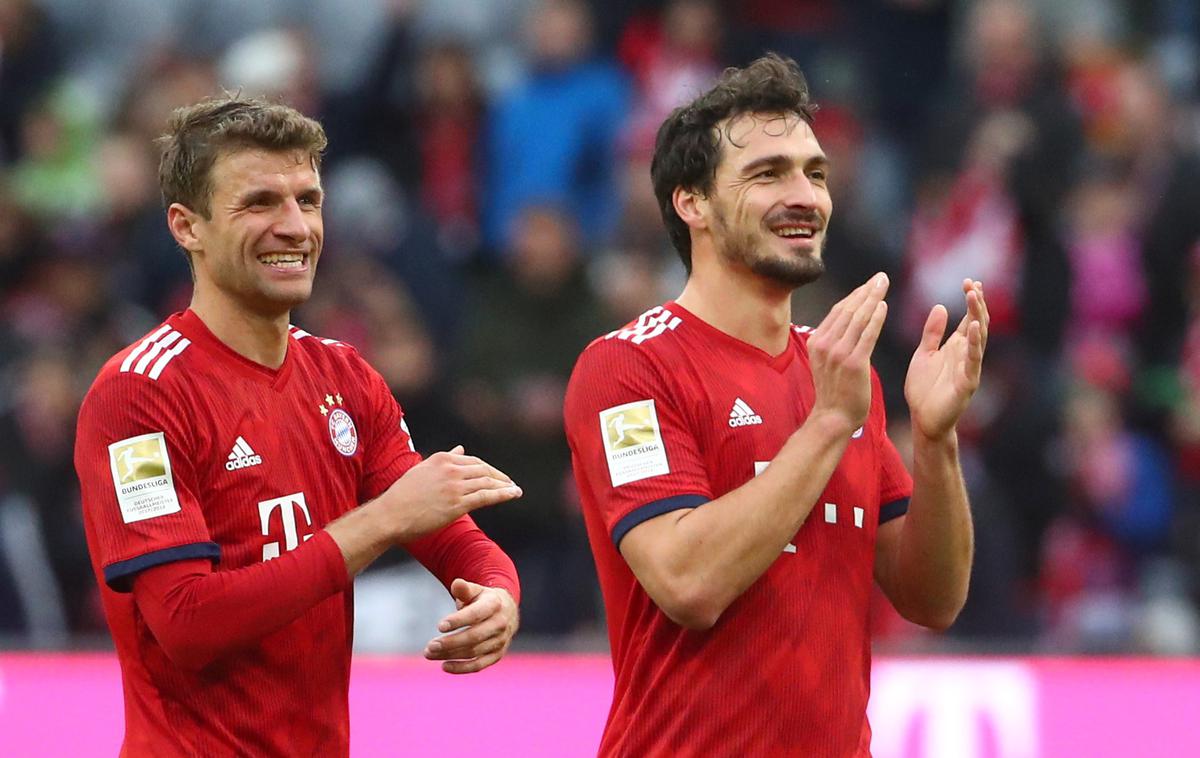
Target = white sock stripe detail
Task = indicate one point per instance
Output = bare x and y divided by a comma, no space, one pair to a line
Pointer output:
129,359
154,351
167,357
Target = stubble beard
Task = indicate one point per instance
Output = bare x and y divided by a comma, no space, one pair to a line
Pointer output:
792,271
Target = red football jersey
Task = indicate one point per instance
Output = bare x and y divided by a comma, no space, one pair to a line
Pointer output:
670,413
185,449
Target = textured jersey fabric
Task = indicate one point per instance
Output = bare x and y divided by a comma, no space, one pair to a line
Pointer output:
670,413
187,450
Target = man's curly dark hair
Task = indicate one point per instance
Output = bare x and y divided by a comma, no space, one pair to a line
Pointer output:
687,149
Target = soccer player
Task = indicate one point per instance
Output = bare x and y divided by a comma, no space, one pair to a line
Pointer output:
738,484
223,460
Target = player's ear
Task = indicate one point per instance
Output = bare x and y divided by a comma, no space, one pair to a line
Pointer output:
183,223
691,206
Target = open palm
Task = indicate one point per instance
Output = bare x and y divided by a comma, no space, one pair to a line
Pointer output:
942,378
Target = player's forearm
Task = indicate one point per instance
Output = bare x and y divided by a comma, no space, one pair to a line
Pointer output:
362,535
461,551
199,615
724,546
933,560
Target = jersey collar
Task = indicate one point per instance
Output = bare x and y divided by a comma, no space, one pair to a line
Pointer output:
194,329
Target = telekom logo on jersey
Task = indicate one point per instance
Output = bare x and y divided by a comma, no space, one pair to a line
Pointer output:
287,507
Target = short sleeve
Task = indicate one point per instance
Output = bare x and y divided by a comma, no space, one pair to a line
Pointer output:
895,481
133,456
634,448
389,451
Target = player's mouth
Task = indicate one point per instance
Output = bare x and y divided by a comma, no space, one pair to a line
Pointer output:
799,237
796,231
290,262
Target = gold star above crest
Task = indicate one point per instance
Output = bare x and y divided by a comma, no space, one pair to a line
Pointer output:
329,400
324,411
339,399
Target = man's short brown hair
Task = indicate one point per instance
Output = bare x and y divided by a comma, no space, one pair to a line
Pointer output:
197,134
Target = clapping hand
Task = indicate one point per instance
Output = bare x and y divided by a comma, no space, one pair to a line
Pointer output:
942,380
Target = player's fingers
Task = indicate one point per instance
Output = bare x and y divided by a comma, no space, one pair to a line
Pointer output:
482,470
473,613
985,318
468,643
464,591
487,497
862,317
486,491
835,322
935,327
870,333
974,362
471,666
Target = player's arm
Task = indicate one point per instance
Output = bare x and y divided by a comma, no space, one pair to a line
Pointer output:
695,562
480,577
199,615
483,582
923,559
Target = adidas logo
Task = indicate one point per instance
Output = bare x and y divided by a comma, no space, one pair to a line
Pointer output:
242,456
743,415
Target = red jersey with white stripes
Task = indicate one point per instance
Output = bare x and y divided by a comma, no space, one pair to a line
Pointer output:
187,450
670,413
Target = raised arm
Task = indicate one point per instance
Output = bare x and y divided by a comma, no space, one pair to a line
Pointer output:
923,559
695,562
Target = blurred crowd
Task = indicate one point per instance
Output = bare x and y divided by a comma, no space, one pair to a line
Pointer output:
489,212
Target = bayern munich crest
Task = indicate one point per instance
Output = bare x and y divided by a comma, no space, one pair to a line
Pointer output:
342,432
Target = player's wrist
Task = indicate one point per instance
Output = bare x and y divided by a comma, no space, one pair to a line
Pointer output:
936,442
830,425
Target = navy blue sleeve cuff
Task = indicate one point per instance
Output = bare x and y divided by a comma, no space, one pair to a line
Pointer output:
894,509
650,510
119,576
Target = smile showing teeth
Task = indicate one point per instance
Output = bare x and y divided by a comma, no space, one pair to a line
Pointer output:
794,231
283,260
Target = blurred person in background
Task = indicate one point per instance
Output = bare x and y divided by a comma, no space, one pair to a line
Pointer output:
1121,505
672,58
236,617
529,322
740,491
998,160
30,58
554,138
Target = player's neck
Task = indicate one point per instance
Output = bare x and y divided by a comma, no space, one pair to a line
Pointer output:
742,305
257,337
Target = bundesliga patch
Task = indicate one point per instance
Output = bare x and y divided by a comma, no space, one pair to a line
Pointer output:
141,473
633,442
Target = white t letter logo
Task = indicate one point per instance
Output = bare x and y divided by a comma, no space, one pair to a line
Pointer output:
287,510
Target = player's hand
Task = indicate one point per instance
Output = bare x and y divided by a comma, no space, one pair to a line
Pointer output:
840,353
478,633
942,380
439,489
